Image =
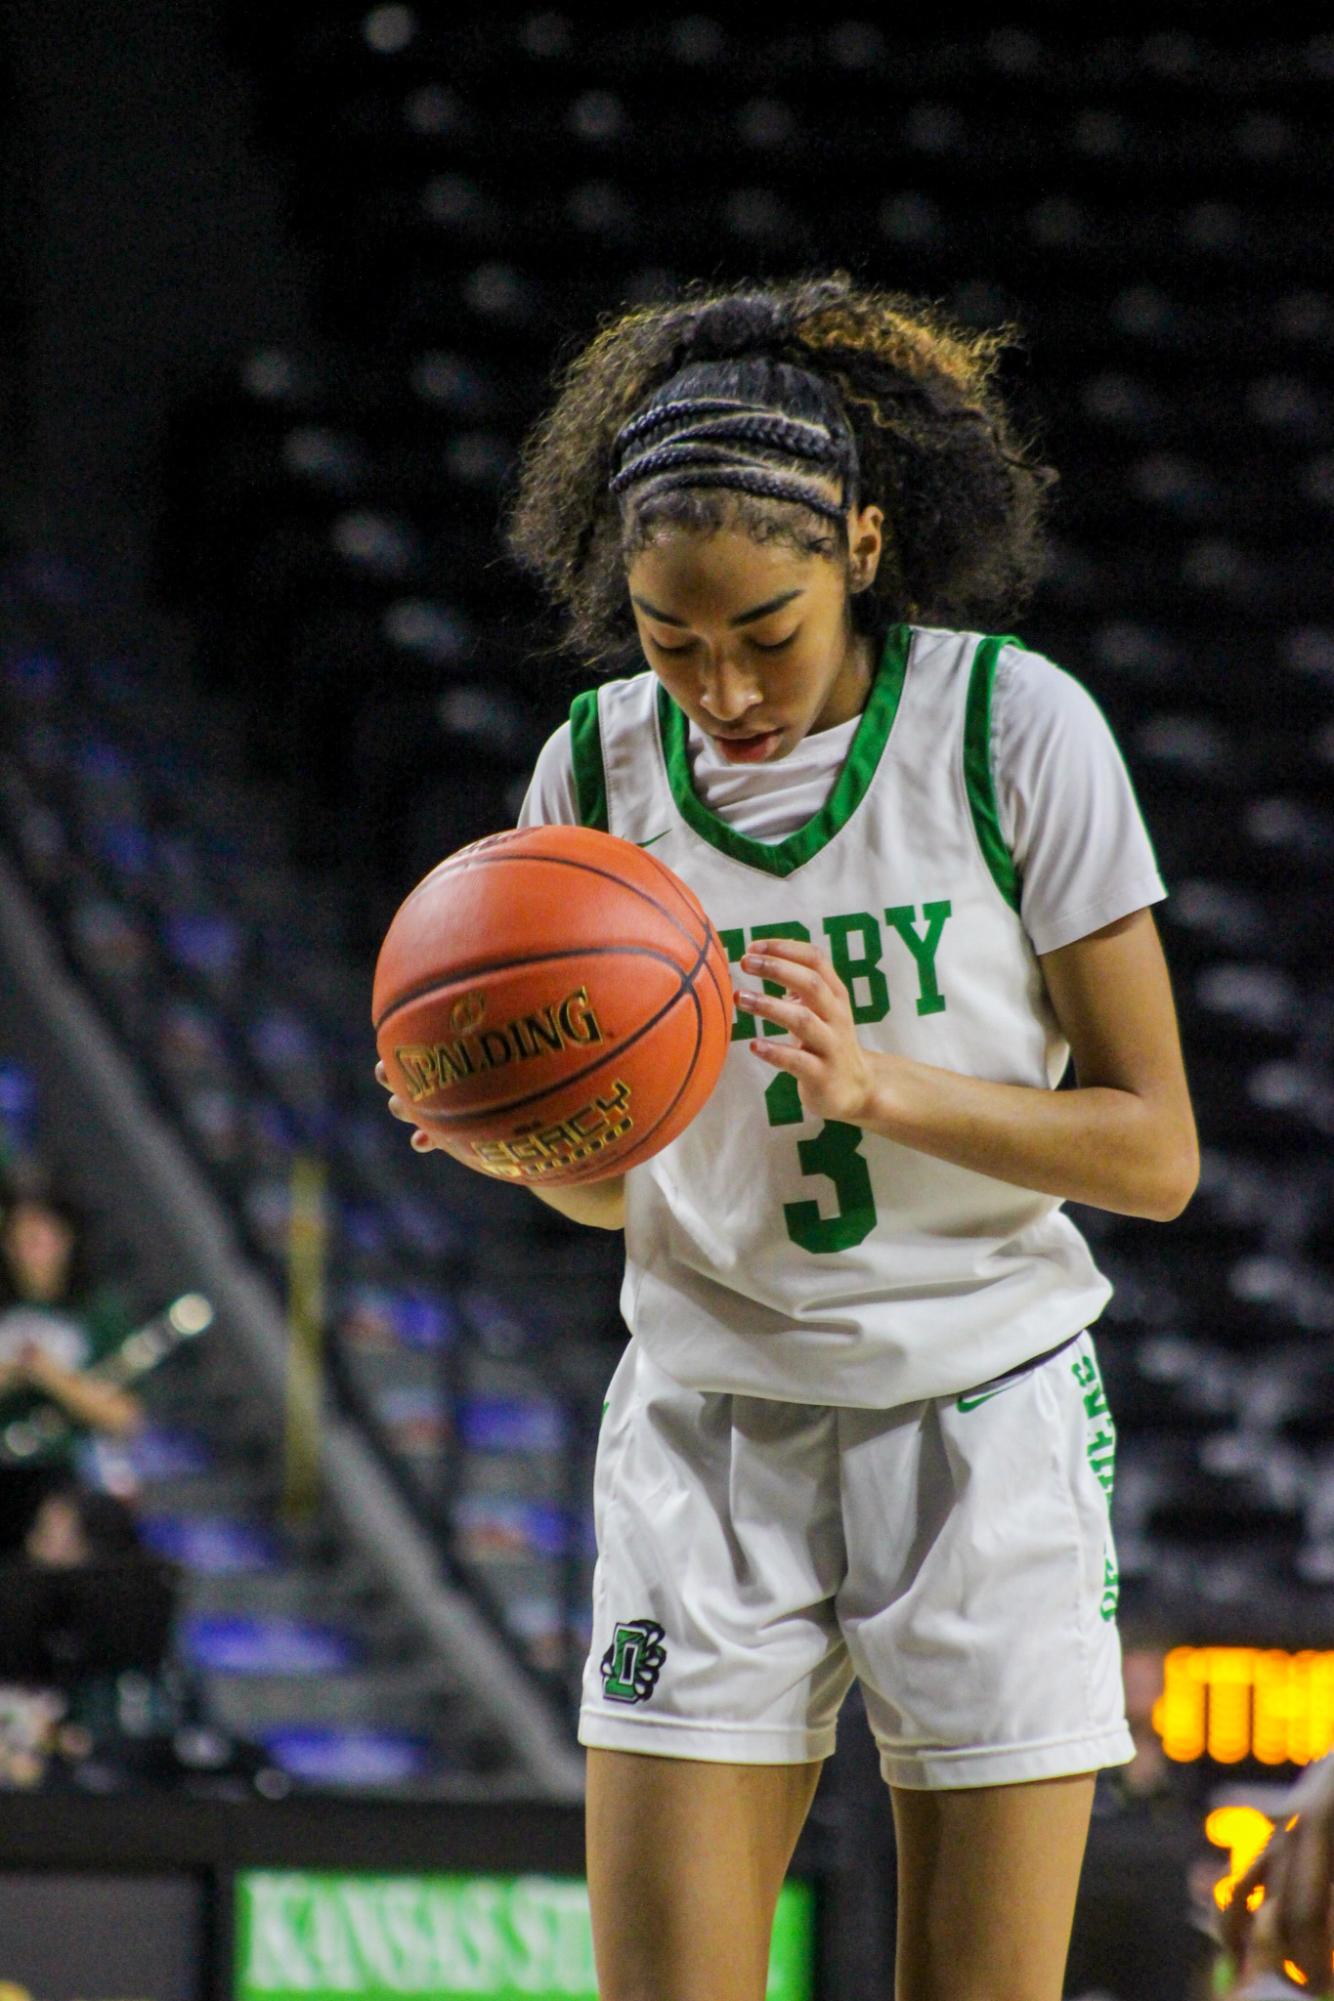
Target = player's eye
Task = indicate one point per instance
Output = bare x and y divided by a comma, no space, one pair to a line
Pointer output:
688,646
774,646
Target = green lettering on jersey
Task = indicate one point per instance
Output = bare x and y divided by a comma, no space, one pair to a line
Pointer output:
734,944
859,969
782,1100
930,1000
835,1151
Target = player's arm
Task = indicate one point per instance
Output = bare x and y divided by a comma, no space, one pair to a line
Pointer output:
600,1204
1124,1139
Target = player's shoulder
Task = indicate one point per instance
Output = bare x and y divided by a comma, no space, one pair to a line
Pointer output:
1036,695
964,654
626,697
602,704
555,753
551,798
960,646
1036,706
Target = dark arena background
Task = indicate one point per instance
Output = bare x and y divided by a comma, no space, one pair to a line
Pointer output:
287,1680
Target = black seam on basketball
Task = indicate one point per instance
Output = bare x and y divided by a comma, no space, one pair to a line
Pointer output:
633,1153
626,1160
591,868
681,1091
459,974
671,881
673,884
459,1120
687,977
724,998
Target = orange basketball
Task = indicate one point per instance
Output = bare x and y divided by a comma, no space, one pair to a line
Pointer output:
553,1005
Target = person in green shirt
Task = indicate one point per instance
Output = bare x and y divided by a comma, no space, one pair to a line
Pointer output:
54,1331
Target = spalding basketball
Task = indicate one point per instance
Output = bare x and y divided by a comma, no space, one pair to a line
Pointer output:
552,1004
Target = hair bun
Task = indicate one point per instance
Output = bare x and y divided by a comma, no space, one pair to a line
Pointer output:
729,329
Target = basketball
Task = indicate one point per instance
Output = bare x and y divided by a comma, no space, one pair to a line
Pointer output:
552,1004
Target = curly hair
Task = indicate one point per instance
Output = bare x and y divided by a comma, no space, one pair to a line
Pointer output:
963,495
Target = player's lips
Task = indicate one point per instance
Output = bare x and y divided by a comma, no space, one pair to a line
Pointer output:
747,749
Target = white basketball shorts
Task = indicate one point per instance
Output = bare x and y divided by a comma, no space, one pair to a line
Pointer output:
955,1555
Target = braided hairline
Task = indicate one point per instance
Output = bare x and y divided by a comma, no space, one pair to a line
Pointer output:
684,451
639,427
806,432
767,485
663,457
772,434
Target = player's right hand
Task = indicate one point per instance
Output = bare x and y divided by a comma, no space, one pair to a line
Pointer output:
421,1141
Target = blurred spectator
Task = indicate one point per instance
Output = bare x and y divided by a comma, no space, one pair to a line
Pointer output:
55,1328
73,1697
73,1527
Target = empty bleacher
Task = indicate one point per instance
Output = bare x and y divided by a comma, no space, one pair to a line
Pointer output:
471,194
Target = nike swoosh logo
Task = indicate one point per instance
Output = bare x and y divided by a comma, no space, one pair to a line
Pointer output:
654,837
967,1403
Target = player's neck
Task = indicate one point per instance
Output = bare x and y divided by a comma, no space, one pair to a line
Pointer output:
850,687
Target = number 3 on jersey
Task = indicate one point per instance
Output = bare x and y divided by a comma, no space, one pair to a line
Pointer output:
835,1151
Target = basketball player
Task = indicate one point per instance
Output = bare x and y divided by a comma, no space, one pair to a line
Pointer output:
859,1427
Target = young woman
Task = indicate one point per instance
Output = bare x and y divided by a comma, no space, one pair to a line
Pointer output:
859,1426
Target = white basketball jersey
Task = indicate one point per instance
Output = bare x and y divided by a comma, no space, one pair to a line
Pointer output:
774,1254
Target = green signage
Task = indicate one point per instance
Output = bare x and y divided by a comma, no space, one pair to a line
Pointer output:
318,1937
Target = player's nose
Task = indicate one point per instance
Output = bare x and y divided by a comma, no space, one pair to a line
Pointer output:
726,693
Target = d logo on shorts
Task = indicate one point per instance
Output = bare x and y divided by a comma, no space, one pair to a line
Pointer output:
633,1661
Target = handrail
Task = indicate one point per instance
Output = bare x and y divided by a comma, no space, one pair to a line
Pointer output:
165,1203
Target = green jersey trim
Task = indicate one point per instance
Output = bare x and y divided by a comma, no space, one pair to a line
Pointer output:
590,777
978,775
853,782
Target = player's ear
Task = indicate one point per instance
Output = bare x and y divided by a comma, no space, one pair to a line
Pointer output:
865,546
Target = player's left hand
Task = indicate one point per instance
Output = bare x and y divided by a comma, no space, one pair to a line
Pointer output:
832,1070
421,1141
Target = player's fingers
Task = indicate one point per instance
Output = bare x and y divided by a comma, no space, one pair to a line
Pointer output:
793,1015
817,984
421,1142
799,949
382,1077
398,1110
786,953
789,1056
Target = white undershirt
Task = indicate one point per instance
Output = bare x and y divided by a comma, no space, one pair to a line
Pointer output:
1067,807
789,792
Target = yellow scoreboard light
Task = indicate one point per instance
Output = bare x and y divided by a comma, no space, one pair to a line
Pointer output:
1230,1703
